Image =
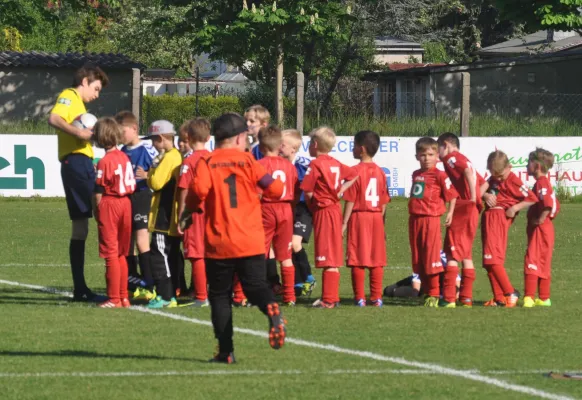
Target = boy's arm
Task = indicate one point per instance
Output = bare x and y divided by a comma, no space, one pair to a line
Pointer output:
471,178
181,194
544,214
449,218
346,186
58,122
349,206
512,211
159,176
201,185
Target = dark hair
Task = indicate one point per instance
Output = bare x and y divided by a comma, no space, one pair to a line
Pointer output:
369,140
92,73
449,137
425,143
228,125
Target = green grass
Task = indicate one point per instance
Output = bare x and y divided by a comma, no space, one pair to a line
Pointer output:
44,332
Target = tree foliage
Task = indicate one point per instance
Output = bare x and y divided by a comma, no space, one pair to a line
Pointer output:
564,15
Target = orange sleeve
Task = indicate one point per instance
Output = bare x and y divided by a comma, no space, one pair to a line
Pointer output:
200,186
275,189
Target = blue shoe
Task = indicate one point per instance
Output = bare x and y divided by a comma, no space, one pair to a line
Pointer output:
377,303
360,302
158,302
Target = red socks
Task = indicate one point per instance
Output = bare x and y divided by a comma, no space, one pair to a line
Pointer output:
376,283
199,278
495,287
123,275
467,279
330,291
112,278
237,290
358,279
502,278
288,277
530,285
544,288
450,283
433,285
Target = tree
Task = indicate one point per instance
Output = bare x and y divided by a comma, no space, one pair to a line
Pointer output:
535,15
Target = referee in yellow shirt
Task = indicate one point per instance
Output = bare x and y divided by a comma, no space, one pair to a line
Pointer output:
77,172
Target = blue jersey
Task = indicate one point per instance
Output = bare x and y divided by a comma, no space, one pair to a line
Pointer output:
301,165
141,155
256,152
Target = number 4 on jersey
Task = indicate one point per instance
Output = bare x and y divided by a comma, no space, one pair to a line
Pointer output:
125,180
372,192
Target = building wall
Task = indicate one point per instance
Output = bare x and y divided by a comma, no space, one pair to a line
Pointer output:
30,93
397,58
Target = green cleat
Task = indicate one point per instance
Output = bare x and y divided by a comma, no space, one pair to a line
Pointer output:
158,302
445,304
432,302
528,302
200,303
543,303
308,288
144,294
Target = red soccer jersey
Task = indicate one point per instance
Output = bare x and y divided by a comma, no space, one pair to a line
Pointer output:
115,174
547,199
324,178
430,191
187,169
455,165
369,192
281,169
510,191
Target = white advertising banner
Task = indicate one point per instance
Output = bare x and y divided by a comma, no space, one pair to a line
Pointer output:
29,164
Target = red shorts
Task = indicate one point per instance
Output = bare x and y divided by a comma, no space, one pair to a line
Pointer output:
327,228
461,234
278,224
424,234
114,226
540,246
366,240
194,238
494,228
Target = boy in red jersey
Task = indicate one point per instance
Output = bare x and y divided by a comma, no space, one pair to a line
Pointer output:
226,183
505,195
461,234
114,183
198,132
323,188
431,189
364,220
540,231
278,213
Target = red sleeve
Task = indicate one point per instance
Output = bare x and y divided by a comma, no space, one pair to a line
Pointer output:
348,173
548,201
461,164
480,180
311,176
384,195
352,193
186,176
101,172
520,190
448,190
200,186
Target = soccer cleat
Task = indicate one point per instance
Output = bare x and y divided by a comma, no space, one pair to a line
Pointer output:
494,303
242,303
528,302
466,302
445,304
308,287
109,304
543,303
360,302
223,358
88,296
144,294
432,302
289,304
158,302
322,304
377,303
125,303
511,300
200,303
277,330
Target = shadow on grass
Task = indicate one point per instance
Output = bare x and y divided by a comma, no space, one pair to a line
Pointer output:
92,354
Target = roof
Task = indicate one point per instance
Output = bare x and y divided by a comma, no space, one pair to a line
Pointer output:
66,60
536,42
484,64
234,76
391,41
403,66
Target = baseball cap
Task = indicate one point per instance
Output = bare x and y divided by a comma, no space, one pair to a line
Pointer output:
160,127
228,125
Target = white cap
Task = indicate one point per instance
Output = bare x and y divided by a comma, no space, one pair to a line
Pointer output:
161,127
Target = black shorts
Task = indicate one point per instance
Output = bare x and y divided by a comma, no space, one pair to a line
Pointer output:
140,209
303,222
78,175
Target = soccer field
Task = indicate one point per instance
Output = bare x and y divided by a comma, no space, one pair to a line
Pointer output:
51,348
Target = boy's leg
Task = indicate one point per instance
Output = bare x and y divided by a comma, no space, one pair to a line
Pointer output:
450,282
109,232
376,281
220,275
123,275
131,261
160,267
302,227
331,282
544,289
176,263
358,279
495,286
467,280
80,230
124,242
199,282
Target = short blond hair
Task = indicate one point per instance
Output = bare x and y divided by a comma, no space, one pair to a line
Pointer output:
426,143
270,138
542,157
497,162
294,136
324,136
260,112
107,133
126,118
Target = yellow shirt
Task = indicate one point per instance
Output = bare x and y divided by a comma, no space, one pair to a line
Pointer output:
69,106
163,181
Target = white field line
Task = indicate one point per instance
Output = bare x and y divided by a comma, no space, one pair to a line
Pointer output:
433,368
